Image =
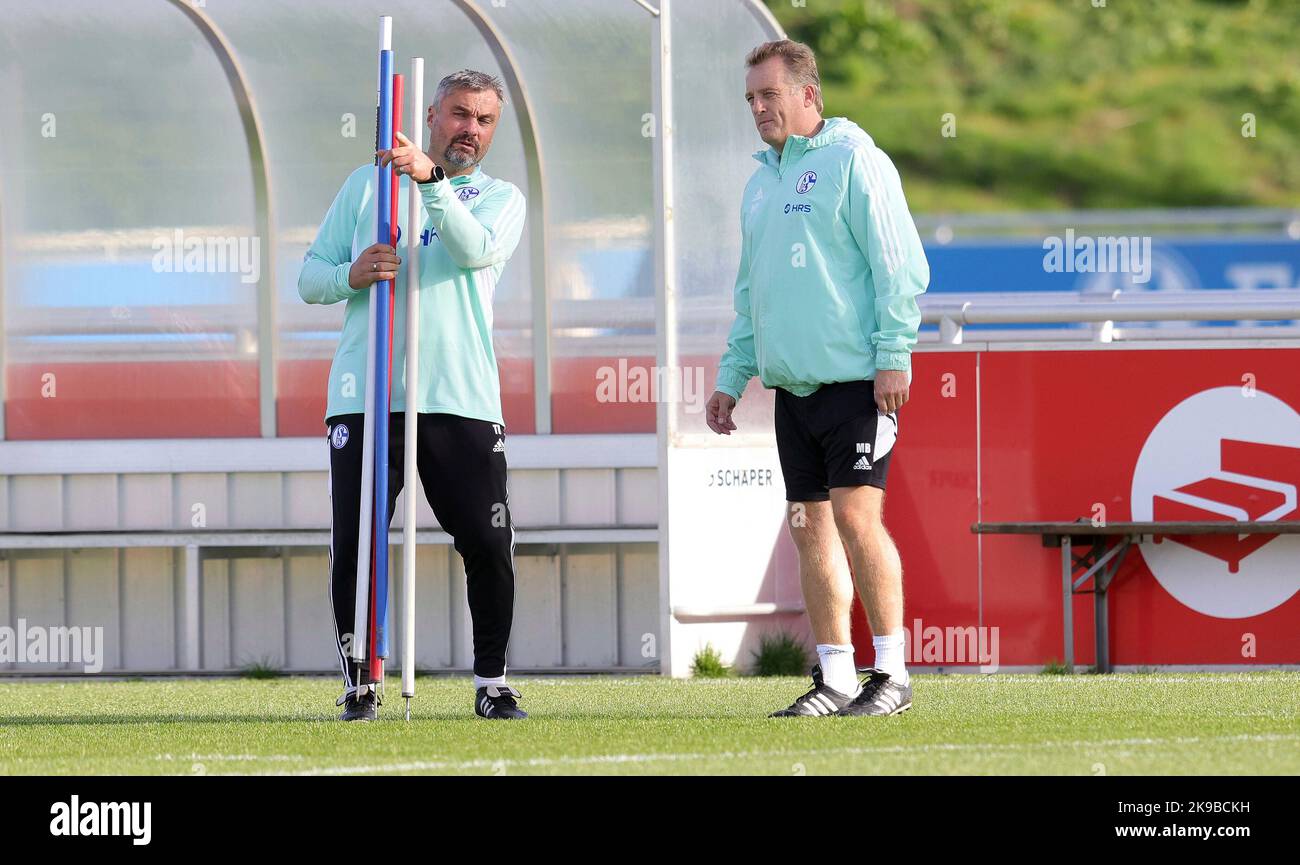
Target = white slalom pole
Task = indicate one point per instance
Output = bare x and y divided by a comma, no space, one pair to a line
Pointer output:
360,631
413,212
362,618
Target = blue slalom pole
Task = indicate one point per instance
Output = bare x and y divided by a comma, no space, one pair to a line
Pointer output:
383,357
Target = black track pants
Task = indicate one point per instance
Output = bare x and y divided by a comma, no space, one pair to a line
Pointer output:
462,467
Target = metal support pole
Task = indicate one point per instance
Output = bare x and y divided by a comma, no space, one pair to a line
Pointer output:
4,399
1099,585
665,264
264,215
1067,607
537,222
193,660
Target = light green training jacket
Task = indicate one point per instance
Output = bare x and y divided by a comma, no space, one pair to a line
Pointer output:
830,267
469,227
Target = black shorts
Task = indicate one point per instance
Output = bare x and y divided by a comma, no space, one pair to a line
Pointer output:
834,437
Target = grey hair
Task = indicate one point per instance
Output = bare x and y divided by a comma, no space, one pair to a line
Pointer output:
468,79
800,64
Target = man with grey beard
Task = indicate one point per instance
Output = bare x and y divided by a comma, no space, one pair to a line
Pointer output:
468,228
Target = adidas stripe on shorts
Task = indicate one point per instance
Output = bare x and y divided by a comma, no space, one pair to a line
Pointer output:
834,437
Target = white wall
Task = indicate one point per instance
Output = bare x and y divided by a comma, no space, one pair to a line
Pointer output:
579,605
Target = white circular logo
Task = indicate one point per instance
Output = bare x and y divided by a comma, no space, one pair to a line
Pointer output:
806,182
1223,455
467,192
339,437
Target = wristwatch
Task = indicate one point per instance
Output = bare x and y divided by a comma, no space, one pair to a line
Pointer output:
438,175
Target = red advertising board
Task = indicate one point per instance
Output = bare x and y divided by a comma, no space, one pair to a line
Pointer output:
1110,433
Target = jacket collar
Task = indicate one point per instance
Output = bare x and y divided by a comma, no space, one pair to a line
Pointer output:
797,145
475,176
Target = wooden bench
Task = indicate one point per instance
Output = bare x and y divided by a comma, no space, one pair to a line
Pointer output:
1103,550
202,545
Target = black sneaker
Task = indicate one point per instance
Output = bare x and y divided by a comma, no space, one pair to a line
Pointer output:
356,708
821,700
497,702
880,695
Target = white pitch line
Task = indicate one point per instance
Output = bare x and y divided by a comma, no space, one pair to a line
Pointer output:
616,759
293,758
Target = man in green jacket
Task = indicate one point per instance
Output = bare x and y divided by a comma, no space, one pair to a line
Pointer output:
826,313
469,227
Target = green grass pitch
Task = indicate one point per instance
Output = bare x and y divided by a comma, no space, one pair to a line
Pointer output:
1118,724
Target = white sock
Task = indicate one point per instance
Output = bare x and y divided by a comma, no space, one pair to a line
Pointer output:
499,681
890,658
838,671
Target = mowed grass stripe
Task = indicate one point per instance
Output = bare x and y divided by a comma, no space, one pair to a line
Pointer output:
1125,723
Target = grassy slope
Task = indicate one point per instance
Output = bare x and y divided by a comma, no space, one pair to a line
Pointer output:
1059,104
1130,724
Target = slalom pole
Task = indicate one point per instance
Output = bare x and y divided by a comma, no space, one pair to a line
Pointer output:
379,611
412,389
379,392
365,544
